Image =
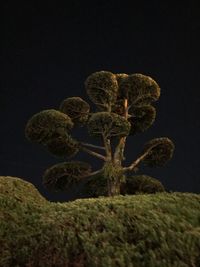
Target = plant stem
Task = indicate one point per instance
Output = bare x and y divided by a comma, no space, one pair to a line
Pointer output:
107,147
136,162
119,151
95,154
92,173
93,146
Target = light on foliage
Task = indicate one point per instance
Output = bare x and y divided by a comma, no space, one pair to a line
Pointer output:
139,89
121,77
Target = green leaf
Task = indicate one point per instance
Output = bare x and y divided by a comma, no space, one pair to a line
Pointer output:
66,174
108,124
76,108
46,124
160,151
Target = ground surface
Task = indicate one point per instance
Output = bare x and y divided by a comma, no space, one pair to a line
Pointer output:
155,230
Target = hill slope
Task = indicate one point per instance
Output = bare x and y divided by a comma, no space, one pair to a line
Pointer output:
142,230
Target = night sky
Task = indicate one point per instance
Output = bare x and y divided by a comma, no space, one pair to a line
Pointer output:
48,52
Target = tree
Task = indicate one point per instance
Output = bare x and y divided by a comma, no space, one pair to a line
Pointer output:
124,107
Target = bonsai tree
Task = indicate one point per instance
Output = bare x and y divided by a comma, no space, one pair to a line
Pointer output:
124,107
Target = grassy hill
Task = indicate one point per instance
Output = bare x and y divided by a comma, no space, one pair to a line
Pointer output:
155,230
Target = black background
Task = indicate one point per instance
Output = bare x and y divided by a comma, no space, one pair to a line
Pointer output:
48,51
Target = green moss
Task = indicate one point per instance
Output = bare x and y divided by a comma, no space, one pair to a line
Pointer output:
156,230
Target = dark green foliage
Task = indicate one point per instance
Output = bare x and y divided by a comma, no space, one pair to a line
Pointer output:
97,185
161,151
108,124
141,184
157,230
124,107
19,190
63,146
142,117
46,124
121,77
76,108
63,175
139,89
102,89
118,107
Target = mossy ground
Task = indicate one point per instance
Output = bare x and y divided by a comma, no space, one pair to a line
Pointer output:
157,230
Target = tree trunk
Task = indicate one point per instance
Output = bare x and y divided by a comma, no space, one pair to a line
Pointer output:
114,187
114,175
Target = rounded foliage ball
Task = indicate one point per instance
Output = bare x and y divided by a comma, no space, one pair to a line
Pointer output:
142,117
139,89
160,151
76,108
108,124
44,125
64,175
63,146
142,184
102,88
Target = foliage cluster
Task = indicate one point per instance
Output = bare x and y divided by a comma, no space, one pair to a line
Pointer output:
124,107
161,229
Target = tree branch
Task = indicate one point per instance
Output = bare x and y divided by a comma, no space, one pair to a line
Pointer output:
95,154
93,146
92,173
107,147
137,161
119,151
